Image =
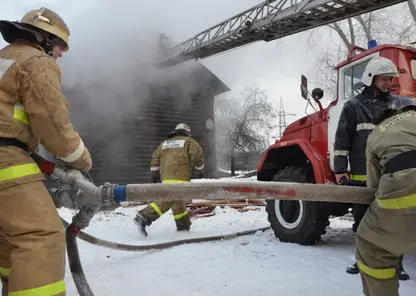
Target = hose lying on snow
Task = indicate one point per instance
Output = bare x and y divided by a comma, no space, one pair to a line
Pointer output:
74,260
135,248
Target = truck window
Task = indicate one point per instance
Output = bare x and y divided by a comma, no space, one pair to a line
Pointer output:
352,80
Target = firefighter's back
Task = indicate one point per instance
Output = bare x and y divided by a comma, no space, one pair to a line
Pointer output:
175,163
394,142
17,61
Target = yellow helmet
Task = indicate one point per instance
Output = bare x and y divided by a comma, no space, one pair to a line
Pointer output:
48,21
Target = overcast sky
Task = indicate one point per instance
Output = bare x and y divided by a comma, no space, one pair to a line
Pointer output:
105,33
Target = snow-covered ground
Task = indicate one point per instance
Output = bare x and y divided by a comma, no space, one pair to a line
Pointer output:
253,265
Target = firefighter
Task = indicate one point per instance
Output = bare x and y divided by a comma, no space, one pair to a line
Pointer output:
354,126
172,163
388,227
33,111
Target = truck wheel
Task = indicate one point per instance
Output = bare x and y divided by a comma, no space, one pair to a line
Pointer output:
301,222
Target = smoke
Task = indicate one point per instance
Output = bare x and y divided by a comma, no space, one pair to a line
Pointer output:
110,69
109,75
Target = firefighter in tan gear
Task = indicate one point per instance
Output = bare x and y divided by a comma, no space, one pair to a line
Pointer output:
33,111
388,227
172,163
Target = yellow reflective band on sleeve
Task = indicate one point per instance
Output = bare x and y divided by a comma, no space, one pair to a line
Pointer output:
20,114
48,290
4,272
358,177
380,274
19,171
174,181
399,203
181,215
157,209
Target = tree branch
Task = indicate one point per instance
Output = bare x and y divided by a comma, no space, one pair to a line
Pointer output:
341,34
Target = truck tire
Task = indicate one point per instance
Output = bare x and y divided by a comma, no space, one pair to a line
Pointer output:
301,222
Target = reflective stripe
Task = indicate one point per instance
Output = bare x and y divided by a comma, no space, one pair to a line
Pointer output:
20,114
365,126
174,181
154,168
200,168
4,272
341,153
399,203
181,215
5,64
380,274
19,171
169,144
47,290
157,209
388,123
358,177
74,156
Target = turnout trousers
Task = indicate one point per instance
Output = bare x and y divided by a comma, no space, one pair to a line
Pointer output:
386,232
180,214
32,242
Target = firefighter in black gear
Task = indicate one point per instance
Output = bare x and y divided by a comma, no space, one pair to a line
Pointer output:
354,127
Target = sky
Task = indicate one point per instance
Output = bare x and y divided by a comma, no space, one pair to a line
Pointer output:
112,36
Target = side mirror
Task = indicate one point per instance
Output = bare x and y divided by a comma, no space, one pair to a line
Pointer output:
304,87
317,94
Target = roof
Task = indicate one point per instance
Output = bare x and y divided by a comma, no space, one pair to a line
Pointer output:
192,76
375,49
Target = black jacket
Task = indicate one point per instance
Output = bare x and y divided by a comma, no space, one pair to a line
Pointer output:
354,126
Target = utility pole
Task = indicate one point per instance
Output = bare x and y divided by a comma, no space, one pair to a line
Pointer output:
282,118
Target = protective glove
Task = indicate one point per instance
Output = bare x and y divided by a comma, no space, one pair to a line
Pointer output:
200,174
155,175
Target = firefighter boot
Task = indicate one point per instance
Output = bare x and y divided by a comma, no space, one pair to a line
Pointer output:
183,224
353,269
141,224
401,274
4,290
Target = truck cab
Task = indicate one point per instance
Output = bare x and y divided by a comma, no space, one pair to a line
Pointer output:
305,152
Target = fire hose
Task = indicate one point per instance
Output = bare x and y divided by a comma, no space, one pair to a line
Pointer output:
115,194
72,232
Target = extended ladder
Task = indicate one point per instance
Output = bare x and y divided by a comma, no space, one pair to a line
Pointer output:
270,20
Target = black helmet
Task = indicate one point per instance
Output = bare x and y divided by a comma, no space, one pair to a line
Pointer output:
397,104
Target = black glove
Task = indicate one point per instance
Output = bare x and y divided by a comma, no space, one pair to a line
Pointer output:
200,174
155,175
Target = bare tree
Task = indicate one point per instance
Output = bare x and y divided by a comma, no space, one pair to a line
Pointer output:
355,32
243,124
412,9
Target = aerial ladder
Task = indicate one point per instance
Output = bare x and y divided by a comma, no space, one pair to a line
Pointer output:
267,21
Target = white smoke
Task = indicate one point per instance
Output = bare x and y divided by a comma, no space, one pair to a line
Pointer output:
111,62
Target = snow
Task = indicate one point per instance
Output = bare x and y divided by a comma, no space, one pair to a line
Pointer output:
249,265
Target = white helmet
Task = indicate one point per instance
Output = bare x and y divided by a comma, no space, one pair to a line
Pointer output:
378,66
184,127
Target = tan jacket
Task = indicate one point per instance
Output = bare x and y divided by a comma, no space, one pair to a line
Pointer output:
33,110
174,158
391,137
